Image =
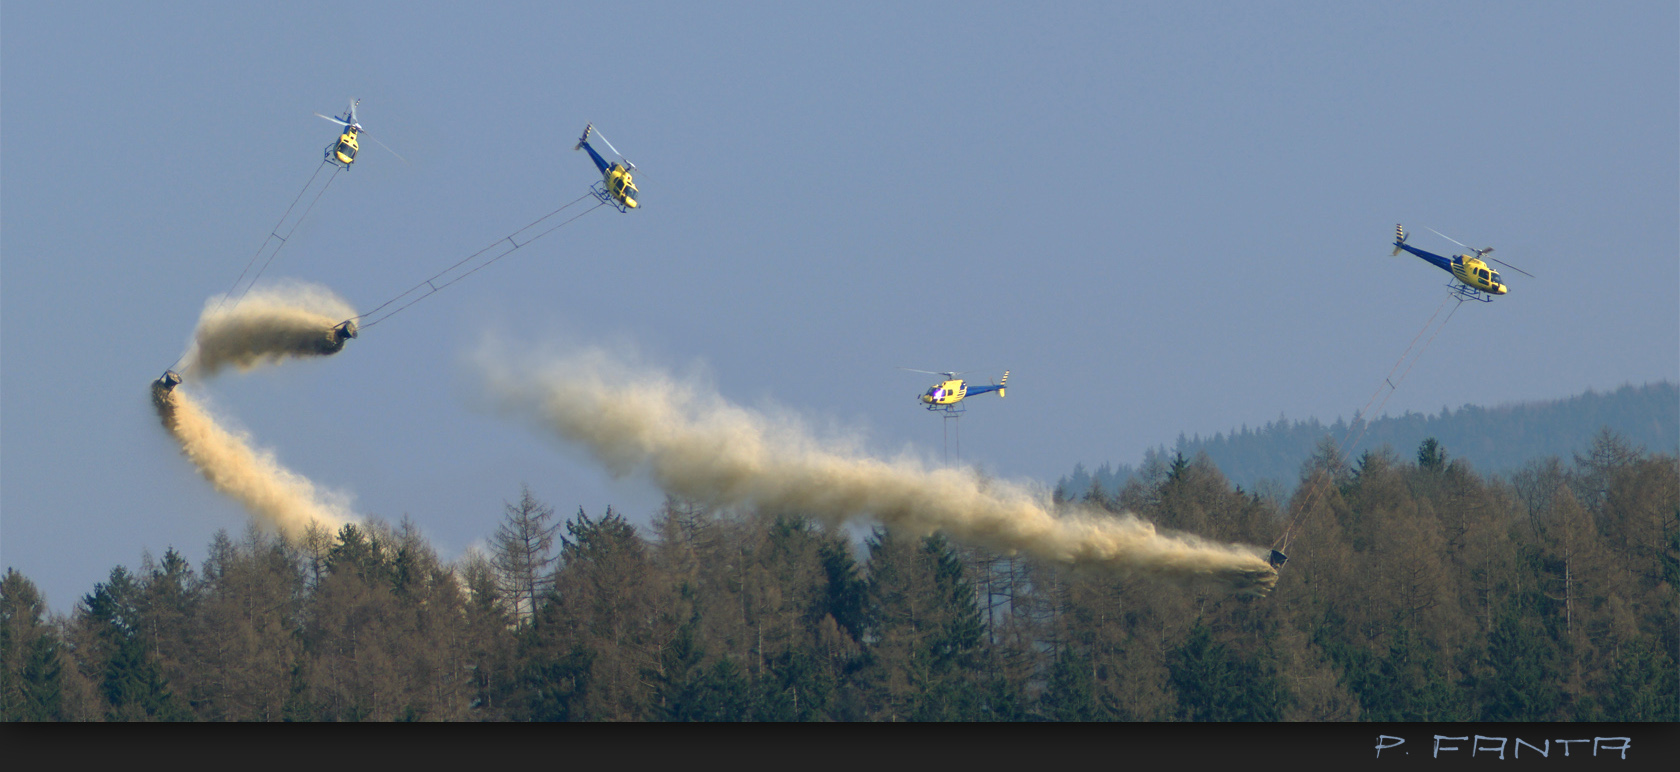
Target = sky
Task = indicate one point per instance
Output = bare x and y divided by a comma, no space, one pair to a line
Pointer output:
1160,217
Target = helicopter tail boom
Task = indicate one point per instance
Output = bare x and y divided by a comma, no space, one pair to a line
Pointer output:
975,391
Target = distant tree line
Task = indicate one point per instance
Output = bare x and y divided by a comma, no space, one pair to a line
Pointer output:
1497,440
1416,590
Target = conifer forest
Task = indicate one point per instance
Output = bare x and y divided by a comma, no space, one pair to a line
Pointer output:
1417,589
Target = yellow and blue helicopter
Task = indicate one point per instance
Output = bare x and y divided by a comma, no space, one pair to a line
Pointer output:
343,151
615,188
947,395
1476,280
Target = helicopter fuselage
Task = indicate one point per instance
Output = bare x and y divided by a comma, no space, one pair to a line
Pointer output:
343,152
615,179
947,393
620,186
1473,272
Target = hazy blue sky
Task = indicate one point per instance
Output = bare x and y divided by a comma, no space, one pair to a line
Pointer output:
1160,216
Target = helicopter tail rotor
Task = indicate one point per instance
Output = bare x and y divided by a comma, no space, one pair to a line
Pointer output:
1399,238
1002,392
585,138
349,119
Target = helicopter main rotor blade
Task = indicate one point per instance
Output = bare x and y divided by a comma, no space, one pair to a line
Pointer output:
1448,238
387,147
1514,268
630,166
609,143
334,120
1480,252
1477,252
946,373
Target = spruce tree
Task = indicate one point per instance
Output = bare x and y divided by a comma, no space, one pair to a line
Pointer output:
1517,680
1431,456
1068,696
131,683
31,670
1215,683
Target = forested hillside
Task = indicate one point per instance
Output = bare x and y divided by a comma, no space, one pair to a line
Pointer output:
1416,589
1497,440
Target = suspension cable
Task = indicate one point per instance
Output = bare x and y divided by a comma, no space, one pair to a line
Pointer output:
1361,420
273,236
431,285
289,231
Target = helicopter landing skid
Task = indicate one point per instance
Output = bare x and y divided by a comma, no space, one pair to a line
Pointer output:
950,410
600,191
1469,293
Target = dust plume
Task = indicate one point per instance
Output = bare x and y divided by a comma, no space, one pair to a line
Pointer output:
254,478
693,443
267,326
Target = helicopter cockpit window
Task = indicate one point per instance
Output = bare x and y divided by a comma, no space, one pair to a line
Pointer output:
347,149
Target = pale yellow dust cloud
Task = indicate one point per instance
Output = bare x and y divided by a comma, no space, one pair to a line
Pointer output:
692,443
266,326
253,477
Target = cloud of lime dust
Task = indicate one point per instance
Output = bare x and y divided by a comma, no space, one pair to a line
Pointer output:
254,478
267,326
693,443
264,327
